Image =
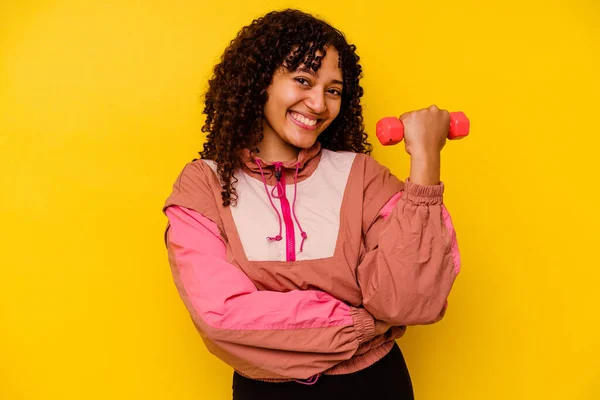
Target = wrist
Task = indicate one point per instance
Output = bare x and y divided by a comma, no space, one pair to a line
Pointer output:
425,168
423,154
364,324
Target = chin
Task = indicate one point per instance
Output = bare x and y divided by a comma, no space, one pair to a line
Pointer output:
302,139
303,143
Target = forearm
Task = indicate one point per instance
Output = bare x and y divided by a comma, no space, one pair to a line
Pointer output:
261,333
412,259
425,168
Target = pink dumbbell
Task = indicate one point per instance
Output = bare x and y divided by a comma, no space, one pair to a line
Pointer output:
390,130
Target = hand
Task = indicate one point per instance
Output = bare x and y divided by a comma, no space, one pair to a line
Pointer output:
425,131
425,134
381,328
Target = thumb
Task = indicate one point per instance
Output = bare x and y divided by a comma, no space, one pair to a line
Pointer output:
403,116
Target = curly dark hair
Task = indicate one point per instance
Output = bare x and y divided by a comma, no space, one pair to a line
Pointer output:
237,92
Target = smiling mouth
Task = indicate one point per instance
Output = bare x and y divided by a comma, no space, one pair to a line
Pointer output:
302,121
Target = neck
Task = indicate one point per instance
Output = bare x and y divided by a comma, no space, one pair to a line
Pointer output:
272,148
268,154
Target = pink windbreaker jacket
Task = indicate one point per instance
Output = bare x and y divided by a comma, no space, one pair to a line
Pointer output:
287,284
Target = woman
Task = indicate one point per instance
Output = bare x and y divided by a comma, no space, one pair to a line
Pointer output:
299,257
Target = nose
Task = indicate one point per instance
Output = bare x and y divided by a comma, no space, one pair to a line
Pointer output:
316,101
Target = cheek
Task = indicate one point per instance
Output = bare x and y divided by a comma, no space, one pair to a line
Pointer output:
280,102
334,109
289,98
272,109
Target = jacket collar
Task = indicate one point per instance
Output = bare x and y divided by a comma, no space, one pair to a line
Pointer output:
306,163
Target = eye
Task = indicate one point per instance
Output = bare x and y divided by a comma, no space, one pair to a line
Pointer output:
335,92
302,81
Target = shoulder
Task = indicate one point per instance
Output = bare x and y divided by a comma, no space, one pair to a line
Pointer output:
197,171
376,175
331,155
198,178
197,187
378,185
337,162
362,167
370,165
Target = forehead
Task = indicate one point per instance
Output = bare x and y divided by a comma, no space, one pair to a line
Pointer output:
329,68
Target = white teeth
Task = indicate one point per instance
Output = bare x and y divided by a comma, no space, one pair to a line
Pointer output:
303,119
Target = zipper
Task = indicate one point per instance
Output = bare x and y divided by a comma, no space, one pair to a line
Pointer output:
290,239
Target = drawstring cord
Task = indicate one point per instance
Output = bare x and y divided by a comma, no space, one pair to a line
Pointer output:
302,233
278,237
280,192
310,381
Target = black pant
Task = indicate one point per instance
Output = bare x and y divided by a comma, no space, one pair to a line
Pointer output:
386,379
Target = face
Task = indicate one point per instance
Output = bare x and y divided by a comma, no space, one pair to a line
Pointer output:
302,104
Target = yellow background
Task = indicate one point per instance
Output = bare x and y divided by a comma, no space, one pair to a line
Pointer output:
100,109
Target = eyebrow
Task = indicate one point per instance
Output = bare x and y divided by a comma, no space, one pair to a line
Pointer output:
310,71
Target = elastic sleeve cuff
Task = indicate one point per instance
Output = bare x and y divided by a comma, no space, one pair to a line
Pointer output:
424,194
364,324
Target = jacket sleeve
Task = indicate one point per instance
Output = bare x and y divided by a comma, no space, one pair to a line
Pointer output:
261,334
411,258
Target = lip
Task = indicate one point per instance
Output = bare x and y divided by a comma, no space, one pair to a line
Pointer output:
301,125
311,117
